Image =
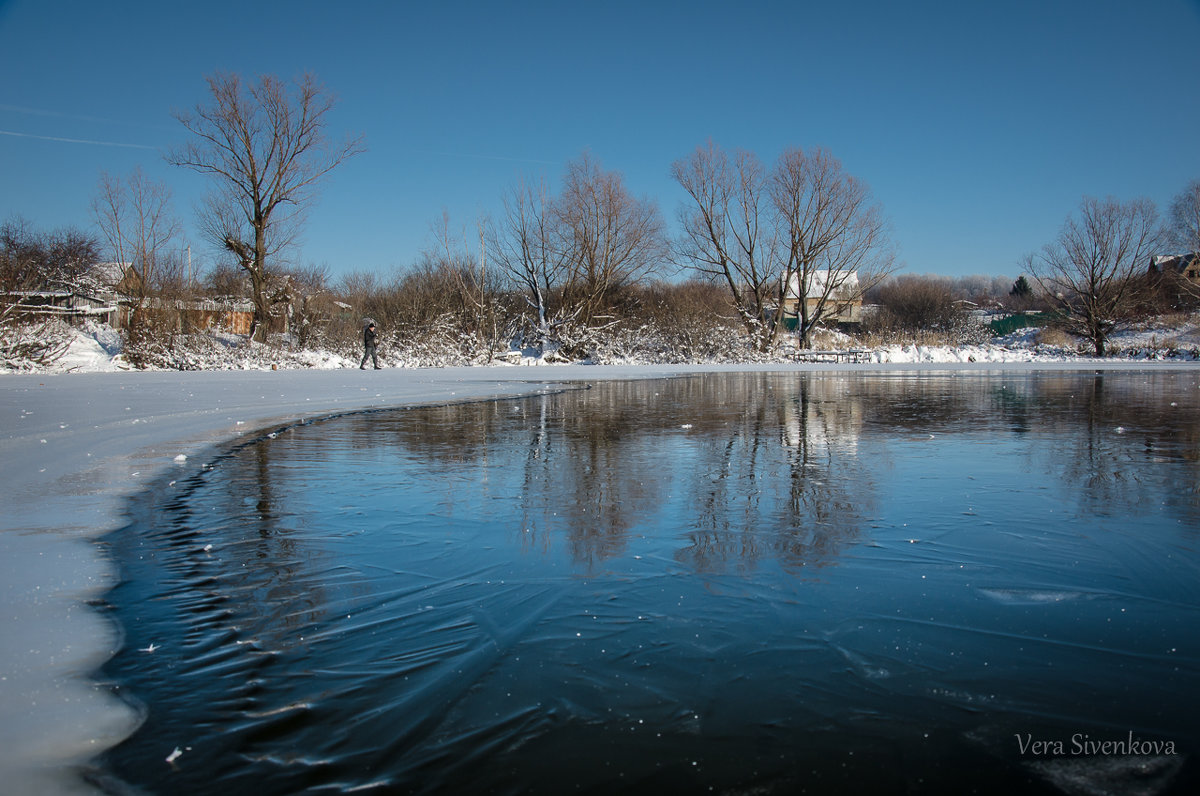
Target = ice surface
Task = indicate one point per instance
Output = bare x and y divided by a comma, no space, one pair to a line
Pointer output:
73,446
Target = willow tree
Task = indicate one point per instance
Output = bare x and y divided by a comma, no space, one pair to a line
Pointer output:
727,232
265,146
526,242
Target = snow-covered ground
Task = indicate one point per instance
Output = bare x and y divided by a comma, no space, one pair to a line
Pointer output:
77,442
97,348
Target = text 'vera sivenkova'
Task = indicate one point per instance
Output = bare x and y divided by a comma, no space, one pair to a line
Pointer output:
1083,744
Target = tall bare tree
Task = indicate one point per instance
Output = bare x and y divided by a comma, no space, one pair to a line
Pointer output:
525,243
838,243
264,145
135,217
805,228
610,238
1088,270
728,233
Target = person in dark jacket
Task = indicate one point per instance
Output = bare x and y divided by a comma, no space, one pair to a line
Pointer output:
369,338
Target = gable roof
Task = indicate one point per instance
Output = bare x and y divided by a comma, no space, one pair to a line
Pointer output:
1175,262
845,285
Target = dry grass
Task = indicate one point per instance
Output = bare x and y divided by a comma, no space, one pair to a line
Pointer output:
918,337
1057,338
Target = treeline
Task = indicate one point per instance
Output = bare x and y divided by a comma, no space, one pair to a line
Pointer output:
459,305
768,253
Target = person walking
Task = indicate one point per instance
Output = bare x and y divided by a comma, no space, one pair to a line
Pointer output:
369,339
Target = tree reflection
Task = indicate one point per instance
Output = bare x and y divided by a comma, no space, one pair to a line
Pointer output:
1124,427
781,480
748,468
262,552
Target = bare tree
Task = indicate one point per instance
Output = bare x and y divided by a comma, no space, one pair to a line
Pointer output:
525,245
806,231
610,238
1183,222
475,287
913,302
65,259
1088,271
265,147
135,217
728,232
31,262
838,243
310,302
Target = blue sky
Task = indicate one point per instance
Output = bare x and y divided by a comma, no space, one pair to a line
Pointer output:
979,126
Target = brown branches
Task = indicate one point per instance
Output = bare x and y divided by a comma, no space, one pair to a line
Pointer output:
265,148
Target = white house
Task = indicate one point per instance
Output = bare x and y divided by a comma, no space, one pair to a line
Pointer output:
840,292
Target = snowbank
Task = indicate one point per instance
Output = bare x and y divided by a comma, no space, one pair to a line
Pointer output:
96,348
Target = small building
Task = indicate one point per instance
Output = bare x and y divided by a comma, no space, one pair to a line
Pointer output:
1186,266
121,278
840,293
67,305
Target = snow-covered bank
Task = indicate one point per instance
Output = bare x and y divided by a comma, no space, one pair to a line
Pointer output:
97,348
75,445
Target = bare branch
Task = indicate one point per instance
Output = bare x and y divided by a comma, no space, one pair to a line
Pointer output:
265,148
1088,270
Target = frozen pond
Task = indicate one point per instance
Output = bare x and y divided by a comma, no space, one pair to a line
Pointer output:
730,582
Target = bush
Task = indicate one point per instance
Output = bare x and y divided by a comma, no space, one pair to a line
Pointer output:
922,310
28,344
913,303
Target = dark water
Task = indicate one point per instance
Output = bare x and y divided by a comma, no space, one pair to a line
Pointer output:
731,583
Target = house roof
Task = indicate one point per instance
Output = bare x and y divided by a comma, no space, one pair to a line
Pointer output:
1175,262
111,274
845,283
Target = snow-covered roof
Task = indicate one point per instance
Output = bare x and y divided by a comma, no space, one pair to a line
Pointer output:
111,273
1177,262
844,283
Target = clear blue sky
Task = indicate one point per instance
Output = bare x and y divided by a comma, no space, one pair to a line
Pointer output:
979,126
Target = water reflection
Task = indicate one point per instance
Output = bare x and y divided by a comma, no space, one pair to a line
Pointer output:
727,581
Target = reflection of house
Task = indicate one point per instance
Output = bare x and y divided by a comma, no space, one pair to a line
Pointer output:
838,291
1186,266
825,416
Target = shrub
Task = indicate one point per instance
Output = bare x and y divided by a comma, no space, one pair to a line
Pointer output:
28,344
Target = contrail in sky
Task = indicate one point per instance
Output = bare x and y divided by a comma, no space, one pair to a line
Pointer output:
76,140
